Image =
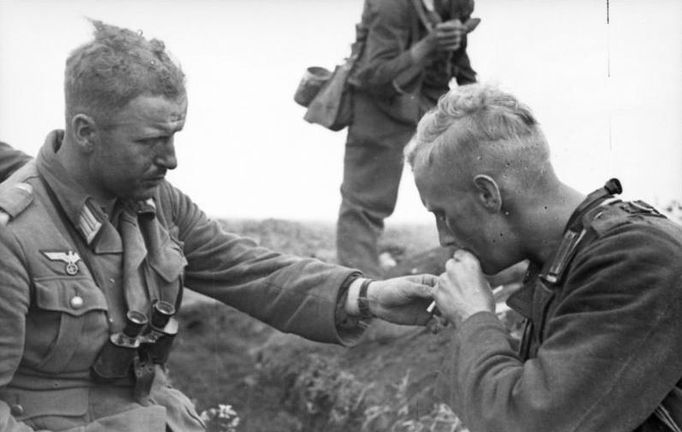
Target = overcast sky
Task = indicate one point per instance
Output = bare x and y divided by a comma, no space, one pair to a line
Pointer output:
609,97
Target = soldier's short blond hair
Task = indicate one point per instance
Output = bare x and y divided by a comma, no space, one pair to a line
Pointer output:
118,65
480,126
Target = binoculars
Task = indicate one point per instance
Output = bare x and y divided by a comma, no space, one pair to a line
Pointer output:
140,339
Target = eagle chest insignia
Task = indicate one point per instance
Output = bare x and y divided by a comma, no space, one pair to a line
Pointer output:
69,258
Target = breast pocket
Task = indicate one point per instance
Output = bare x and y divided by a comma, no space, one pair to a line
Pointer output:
68,318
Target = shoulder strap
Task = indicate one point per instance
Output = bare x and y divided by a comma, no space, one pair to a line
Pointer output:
358,47
15,193
576,231
664,416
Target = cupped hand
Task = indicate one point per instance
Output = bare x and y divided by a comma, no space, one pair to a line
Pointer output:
463,289
449,35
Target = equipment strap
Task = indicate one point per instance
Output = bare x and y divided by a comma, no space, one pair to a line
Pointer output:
664,416
576,232
429,20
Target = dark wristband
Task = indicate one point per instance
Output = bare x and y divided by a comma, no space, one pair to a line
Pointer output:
363,301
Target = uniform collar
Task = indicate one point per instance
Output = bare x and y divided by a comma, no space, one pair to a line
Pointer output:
81,208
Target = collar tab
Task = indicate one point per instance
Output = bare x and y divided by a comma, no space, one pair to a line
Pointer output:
90,221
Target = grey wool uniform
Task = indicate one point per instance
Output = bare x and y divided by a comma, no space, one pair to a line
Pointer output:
602,350
70,273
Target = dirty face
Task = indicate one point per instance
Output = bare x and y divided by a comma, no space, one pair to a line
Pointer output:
135,149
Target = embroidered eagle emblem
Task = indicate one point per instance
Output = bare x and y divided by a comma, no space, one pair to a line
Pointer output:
70,258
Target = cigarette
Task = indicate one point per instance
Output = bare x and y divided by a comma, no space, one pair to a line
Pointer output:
431,307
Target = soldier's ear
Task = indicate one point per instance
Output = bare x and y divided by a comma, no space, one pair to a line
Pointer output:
488,193
84,131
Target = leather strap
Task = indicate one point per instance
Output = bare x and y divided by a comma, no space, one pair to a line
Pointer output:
363,301
428,22
576,232
664,416
144,370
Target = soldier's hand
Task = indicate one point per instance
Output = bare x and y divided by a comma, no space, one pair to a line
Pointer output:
449,35
402,300
444,37
463,289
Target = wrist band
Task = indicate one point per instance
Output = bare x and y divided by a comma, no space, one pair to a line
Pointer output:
363,301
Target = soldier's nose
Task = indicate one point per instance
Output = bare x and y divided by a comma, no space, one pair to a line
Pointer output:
166,156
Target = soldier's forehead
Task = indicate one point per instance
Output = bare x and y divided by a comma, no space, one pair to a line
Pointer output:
153,112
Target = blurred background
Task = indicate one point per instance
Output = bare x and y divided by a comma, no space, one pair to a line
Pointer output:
609,95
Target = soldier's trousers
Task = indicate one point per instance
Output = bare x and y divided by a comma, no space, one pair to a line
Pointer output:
373,165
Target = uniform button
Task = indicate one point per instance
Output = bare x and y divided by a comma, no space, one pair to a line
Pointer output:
76,302
16,410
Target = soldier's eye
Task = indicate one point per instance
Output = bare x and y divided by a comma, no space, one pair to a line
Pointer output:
154,141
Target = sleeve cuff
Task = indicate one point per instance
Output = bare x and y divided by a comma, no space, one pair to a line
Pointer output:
483,321
349,327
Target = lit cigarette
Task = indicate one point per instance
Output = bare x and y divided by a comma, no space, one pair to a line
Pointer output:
431,307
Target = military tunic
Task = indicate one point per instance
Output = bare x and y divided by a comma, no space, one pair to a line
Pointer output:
68,271
603,348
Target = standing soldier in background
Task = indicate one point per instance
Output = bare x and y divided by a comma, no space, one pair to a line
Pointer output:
413,49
